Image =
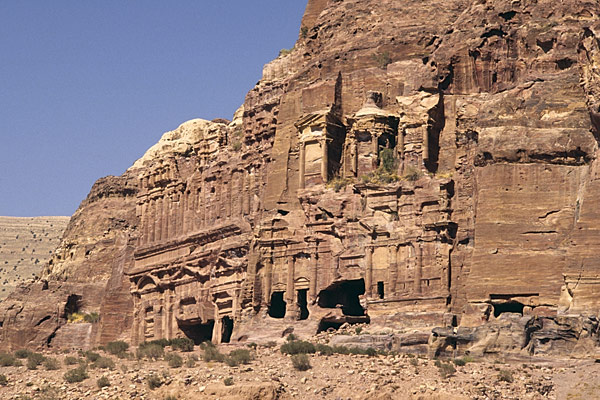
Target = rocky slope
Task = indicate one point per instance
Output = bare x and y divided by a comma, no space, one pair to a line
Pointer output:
426,167
26,244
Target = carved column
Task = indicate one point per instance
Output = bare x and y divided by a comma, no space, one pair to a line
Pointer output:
135,323
314,272
393,269
369,272
302,167
324,160
145,223
419,268
267,279
159,218
152,220
290,292
165,217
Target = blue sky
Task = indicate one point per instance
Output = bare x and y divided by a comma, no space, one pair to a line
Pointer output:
87,86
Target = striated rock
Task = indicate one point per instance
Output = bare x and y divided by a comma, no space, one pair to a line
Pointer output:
393,169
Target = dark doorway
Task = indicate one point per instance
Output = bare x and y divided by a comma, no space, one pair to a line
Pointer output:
73,304
277,306
226,330
303,303
380,291
511,307
199,333
344,295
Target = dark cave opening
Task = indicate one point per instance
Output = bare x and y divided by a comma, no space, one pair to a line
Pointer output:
199,333
344,295
73,304
380,290
510,307
303,303
226,329
277,305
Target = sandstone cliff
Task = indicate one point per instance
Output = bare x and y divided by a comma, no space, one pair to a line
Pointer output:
411,164
26,244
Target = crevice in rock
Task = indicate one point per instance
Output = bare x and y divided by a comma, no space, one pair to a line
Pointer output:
46,318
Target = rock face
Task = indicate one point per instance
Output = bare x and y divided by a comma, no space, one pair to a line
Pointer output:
394,168
26,244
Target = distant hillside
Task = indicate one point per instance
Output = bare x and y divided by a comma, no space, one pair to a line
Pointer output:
26,244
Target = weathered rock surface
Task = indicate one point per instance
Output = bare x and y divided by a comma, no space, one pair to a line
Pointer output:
26,244
395,168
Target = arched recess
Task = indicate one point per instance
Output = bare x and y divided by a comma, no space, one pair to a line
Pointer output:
147,282
301,285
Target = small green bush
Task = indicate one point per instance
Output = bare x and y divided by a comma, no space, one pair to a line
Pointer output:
7,360
505,376
412,174
22,353
445,369
285,52
51,364
324,349
190,362
182,344
459,362
151,351
91,356
211,353
304,32
291,337
161,342
35,359
70,360
117,347
228,381
174,360
104,363
75,375
102,382
382,59
154,381
237,357
171,397
3,380
301,362
92,317
297,347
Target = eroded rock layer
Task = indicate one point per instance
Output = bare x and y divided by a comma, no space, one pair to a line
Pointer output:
395,168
